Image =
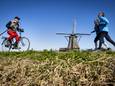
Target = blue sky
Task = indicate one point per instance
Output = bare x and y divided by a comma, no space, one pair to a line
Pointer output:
42,19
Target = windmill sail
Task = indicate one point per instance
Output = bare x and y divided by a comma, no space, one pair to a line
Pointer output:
74,26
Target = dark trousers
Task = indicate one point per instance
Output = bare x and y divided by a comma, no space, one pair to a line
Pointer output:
105,35
98,38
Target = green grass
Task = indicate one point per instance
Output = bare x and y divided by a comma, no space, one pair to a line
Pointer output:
78,56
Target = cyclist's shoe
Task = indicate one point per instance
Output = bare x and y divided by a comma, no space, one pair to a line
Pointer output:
15,46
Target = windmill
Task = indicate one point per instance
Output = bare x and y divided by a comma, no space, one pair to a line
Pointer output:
72,38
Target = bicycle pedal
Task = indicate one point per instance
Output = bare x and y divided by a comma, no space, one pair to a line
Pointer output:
6,45
16,48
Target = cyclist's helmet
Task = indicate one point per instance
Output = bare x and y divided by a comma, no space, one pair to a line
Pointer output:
17,18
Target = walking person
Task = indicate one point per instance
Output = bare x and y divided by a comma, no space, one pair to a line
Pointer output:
103,26
97,31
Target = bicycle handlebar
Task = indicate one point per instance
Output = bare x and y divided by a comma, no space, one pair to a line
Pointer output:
20,30
3,32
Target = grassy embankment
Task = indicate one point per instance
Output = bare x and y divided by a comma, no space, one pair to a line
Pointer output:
50,68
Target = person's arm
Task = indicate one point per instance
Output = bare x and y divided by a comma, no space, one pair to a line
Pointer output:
92,31
8,24
103,20
95,29
20,29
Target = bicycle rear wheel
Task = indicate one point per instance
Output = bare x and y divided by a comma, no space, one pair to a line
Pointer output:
6,45
24,44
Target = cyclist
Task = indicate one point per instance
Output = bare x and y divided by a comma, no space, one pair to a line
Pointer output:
12,28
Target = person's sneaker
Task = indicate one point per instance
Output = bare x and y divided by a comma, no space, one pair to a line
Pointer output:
15,46
96,49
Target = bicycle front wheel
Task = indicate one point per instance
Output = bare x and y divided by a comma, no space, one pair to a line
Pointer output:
24,44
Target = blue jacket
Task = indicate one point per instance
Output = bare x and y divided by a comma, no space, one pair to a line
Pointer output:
103,26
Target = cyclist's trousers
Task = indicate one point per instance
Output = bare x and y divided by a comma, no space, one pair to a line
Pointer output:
13,34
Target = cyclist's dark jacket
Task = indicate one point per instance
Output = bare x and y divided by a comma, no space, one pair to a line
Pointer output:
12,25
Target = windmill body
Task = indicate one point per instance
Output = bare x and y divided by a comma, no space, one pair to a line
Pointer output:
73,44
